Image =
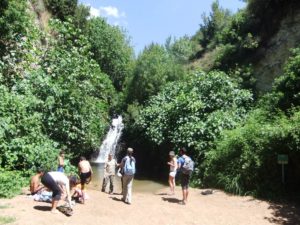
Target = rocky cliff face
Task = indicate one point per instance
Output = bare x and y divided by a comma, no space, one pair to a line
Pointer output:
277,51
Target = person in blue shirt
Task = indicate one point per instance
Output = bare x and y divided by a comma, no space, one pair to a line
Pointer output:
184,178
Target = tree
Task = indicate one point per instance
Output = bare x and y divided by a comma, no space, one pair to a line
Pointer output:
111,50
213,25
181,49
62,9
193,113
154,68
81,15
75,92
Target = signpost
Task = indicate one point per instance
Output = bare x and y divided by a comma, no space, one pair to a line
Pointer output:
282,159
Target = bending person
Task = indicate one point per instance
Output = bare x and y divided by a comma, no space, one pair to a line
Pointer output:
58,183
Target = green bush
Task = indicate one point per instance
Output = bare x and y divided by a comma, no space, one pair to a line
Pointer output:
288,85
76,94
194,113
245,159
23,144
11,183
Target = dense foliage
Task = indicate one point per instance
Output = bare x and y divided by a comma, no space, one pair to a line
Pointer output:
74,90
154,68
195,112
62,79
245,159
111,50
62,8
53,95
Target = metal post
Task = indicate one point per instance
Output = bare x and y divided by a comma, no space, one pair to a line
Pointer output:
282,172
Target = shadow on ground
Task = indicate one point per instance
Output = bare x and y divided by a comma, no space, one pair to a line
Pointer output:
171,200
164,193
42,208
116,199
284,214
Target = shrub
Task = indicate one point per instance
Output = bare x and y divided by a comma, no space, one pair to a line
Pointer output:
194,113
245,159
11,183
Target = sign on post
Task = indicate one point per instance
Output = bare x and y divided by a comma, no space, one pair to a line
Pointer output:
282,159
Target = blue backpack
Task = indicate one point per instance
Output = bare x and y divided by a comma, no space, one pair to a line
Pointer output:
188,166
129,167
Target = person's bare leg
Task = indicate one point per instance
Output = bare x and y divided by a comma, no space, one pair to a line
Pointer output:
54,205
83,193
174,185
184,193
171,184
187,194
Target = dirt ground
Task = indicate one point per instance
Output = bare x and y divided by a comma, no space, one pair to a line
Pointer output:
217,208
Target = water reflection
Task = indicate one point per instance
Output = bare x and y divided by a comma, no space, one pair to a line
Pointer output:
138,185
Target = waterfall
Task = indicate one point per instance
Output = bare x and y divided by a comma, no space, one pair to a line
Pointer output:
111,140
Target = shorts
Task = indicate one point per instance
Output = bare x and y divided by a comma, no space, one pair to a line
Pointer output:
48,181
172,174
60,169
185,181
84,177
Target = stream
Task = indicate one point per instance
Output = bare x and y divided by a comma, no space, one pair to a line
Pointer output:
139,185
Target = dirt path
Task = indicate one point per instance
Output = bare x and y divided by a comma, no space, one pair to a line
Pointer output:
154,208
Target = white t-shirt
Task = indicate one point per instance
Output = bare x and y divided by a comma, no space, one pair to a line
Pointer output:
60,178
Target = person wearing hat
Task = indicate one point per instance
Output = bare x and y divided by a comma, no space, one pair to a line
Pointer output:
173,168
128,166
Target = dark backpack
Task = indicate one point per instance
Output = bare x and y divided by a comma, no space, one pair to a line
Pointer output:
188,166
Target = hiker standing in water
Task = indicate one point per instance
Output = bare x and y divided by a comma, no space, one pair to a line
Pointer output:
109,173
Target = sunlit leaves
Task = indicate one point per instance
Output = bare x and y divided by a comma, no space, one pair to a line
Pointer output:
194,113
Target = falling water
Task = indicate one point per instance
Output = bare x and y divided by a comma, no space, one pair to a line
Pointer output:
111,140
109,146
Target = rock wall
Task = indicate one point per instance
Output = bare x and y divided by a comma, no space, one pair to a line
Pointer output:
274,55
